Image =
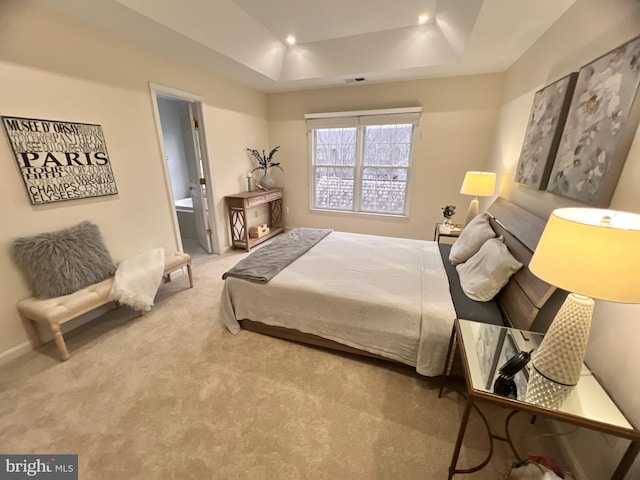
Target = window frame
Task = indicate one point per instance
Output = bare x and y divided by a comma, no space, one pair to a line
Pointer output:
360,120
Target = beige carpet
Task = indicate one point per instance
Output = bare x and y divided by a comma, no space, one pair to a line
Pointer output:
173,395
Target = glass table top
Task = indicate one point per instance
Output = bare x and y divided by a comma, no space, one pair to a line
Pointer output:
488,347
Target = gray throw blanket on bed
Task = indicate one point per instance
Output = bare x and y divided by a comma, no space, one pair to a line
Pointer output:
266,262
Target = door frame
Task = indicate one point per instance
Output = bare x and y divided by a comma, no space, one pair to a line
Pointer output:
160,90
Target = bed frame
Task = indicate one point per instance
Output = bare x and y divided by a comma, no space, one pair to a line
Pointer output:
522,298
519,301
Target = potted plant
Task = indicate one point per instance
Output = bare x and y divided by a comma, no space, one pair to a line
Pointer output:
448,211
265,162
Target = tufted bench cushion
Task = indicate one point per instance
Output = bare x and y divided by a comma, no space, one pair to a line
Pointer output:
58,310
175,260
62,309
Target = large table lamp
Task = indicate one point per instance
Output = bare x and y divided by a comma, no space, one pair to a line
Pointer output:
478,184
592,253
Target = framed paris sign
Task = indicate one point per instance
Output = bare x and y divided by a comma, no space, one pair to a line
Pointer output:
599,129
60,160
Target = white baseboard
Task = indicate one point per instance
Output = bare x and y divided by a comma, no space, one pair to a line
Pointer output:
15,352
47,336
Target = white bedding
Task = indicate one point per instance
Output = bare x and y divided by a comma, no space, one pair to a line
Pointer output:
388,296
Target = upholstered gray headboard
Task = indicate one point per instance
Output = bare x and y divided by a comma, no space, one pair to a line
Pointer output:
520,303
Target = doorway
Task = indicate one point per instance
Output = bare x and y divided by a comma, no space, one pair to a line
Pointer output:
189,181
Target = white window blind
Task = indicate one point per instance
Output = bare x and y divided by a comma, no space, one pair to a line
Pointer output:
361,161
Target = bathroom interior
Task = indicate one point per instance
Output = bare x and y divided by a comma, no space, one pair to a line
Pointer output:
184,162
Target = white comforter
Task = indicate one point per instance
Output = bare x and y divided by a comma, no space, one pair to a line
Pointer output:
388,296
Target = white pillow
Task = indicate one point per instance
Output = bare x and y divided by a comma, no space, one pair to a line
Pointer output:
471,239
484,274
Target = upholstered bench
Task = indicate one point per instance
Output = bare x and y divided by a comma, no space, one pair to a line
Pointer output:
53,312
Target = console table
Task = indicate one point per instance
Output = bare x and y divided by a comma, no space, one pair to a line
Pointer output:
484,348
239,204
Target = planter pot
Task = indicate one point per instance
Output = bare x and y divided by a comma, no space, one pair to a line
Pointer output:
267,182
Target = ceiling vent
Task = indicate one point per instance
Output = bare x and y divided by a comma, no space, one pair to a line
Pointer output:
354,80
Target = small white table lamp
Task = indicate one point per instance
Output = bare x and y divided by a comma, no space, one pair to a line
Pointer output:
478,184
593,253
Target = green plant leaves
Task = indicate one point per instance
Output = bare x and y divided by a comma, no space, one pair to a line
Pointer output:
265,161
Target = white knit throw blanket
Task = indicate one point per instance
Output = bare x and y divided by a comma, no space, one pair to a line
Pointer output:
137,280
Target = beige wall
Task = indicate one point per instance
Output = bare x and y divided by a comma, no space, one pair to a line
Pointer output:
589,29
55,68
456,133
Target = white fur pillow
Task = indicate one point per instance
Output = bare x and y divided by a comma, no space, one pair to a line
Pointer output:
484,274
471,239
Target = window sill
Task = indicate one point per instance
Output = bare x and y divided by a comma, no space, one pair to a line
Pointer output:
346,213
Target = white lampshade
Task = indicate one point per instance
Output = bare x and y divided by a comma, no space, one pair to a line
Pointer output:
479,184
592,253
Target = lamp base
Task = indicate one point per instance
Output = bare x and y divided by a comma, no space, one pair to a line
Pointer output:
474,209
561,352
544,392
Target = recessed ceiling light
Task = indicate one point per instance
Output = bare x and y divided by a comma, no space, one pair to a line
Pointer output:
422,19
291,39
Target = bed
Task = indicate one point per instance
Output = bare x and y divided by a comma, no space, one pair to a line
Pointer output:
385,297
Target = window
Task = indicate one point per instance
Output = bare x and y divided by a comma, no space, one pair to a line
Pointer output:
361,161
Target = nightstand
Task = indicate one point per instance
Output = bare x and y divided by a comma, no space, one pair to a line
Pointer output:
442,231
485,348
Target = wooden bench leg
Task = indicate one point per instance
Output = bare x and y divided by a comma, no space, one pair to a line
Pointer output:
167,276
190,275
57,336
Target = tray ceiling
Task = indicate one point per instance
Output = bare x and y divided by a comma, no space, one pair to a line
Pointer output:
336,40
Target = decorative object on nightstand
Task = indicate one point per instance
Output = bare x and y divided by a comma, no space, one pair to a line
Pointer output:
478,184
505,385
592,253
448,211
265,162
443,230
249,182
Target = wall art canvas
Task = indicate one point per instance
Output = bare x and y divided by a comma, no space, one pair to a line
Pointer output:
60,160
599,128
541,139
